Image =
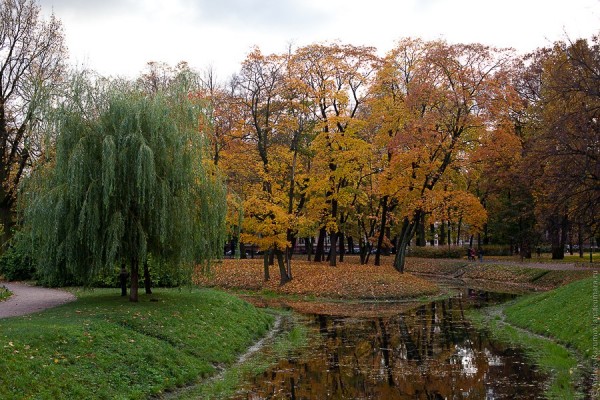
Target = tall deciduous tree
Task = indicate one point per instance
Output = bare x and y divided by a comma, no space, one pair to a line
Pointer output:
32,55
259,89
337,79
127,179
435,102
564,147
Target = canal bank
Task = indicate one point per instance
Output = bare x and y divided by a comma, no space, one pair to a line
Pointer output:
412,348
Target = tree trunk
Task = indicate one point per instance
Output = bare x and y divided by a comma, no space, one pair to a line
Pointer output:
421,240
342,246
408,230
242,248
333,249
320,252
432,233
362,251
442,236
282,270
233,248
308,245
271,257
293,241
580,240
147,279
571,251
384,211
266,265
135,276
558,234
350,244
8,224
123,278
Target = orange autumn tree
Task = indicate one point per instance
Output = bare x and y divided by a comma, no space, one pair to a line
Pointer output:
337,78
434,102
275,123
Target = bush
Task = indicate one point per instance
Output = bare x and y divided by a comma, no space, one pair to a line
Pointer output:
436,252
16,263
496,250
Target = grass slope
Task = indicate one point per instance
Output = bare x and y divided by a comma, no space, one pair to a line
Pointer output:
565,313
104,347
564,319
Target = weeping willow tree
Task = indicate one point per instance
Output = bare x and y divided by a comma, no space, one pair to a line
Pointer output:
126,179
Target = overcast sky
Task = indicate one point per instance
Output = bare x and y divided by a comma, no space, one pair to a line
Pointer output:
118,37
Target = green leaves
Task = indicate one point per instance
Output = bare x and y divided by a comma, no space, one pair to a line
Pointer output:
128,180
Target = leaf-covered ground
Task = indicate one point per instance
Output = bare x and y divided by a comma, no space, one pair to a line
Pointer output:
347,280
351,281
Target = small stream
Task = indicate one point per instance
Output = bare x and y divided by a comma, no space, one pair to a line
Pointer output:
429,352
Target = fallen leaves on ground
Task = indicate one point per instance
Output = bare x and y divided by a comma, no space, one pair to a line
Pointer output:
347,280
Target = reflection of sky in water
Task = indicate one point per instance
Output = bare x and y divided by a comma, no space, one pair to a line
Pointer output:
430,352
467,356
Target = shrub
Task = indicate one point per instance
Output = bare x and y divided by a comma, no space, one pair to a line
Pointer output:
437,252
496,250
16,263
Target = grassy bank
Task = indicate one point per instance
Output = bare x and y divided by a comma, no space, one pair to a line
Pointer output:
518,274
102,346
550,326
292,336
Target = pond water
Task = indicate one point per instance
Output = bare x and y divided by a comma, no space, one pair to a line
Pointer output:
430,352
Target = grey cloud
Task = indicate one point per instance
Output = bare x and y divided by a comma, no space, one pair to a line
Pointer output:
289,15
294,15
88,8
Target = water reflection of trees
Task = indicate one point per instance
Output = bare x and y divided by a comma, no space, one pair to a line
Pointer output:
429,353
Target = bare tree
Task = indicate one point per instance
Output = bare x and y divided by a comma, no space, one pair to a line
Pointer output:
32,61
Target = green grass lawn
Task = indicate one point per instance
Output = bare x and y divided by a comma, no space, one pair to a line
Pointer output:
102,346
566,317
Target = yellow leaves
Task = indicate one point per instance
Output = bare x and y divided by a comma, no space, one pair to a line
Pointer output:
456,205
348,280
265,223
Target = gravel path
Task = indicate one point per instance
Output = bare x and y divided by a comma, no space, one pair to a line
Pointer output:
28,299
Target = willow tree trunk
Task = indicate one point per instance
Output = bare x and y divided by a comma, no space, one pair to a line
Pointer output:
123,279
7,221
135,276
147,279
